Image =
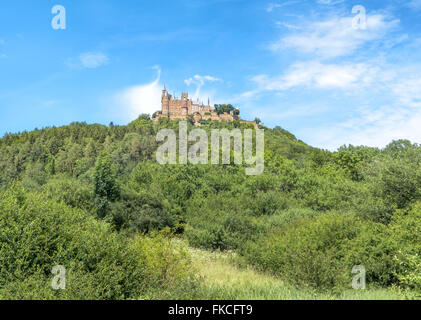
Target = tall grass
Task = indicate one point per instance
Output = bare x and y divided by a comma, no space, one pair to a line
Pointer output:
225,279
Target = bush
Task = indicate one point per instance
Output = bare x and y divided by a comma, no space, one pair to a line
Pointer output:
309,253
142,212
405,228
214,237
171,274
267,204
37,234
288,217
70,191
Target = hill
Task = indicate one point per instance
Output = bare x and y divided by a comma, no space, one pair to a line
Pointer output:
308,220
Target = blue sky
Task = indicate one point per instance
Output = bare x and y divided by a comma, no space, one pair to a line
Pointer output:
308,66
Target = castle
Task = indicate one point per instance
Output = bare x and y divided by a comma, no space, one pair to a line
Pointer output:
183,108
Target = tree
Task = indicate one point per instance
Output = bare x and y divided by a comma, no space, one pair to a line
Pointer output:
106,189
258,121
144,116
224,108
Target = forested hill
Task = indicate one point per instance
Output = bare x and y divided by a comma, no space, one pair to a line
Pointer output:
73,149
357,206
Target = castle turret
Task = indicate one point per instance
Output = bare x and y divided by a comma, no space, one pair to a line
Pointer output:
165,102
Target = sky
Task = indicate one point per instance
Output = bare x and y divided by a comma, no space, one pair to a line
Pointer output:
333,72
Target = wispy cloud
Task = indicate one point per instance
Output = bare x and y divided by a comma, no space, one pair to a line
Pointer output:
370,127
50,103
288,25
329,2
335,37
414,4
271,6
317,75
407,91
367,122
133,101
89,60
372,99
93,60
200,81
373,123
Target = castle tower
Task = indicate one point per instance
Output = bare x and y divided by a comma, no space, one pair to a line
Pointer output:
184,96
165,103
186,104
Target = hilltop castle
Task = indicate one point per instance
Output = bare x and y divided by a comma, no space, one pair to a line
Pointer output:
174,108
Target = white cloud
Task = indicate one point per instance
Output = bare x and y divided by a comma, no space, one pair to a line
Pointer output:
414,4
366,125
199,81
287,25
374,128
129,103
140,99
271,6
89,60
329,2
407,91
329,76
377,126
316,75
299,111
336,36
50,103
93,60
374,101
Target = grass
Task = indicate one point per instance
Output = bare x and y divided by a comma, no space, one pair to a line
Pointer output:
226,280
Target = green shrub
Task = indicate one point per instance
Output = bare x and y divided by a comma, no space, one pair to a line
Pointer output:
70,191
309,253
142,212
168,265
405,228
37,234
267,204
214,237
286,218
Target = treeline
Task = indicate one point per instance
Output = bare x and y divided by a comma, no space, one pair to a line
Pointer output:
308,219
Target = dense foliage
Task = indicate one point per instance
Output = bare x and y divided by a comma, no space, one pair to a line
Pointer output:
81,196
